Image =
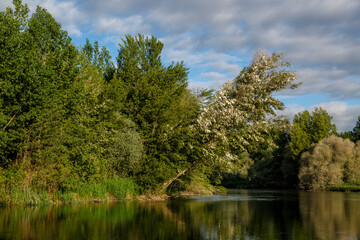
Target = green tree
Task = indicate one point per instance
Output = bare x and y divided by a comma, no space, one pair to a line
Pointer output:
347,135
353,135
12,55
101,58
356,130
38,64
307,129
310,128
155,97
101,141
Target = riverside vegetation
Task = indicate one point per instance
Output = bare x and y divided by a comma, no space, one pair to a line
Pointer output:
75,126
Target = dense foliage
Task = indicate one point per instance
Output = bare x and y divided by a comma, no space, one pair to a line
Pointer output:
332,161
282,168
353,135
59,126
70,117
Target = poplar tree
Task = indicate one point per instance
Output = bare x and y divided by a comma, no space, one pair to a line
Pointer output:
242,114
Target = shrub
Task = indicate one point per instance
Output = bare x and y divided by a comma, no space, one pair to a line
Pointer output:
327,163
121,187
117,187
352,167
265,173
347,187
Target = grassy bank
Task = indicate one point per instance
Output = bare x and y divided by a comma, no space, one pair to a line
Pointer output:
107,190
347,187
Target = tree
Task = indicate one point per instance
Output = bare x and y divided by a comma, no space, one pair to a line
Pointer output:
347,135
305,130
242,114
330,162
308,129
38,64
155,97
12,54
356,130
100,58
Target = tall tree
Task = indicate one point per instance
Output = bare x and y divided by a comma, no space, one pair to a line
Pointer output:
307,128
156,98
356,130
242,114
38,61
100,58
310,128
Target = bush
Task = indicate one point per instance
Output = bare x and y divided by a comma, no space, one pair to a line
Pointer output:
265,173
328,163
121,187
353,186
117,187
352,167
24,195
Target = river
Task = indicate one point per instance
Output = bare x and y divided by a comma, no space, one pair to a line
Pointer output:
242,214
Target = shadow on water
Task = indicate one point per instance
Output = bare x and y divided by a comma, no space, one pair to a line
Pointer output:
245,214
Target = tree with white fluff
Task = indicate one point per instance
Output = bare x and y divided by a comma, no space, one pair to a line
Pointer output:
242,113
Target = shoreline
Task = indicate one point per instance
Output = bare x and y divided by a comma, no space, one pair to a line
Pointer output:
151,197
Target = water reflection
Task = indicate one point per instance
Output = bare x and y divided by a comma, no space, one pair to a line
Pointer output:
331,215
243,215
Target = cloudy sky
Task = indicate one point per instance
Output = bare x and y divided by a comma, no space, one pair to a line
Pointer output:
216,39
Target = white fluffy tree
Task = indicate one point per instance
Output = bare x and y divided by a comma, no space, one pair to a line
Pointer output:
243,111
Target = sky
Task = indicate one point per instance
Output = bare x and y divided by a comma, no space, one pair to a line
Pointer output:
217,38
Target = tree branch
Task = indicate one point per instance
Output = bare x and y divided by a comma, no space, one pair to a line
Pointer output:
13,117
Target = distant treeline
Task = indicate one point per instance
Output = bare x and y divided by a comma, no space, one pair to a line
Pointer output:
70,117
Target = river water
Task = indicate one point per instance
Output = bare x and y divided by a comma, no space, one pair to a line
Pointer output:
243,214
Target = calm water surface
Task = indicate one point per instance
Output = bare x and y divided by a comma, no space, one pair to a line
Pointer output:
245,214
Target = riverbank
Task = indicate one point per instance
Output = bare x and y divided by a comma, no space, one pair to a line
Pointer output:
108,190
346,187
111,190
116,190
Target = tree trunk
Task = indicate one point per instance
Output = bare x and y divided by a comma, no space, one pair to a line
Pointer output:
166,184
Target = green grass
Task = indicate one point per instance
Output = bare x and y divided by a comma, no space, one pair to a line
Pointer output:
24,195
117,187
110,189
347,187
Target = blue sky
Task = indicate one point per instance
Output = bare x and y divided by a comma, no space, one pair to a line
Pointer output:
216,39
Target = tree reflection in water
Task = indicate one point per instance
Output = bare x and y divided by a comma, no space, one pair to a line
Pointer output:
244,215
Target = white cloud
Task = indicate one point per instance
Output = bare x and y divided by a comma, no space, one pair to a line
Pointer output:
64,12
344,115
209,84
336,83
320,38
290,111
213,75
4,4
131,25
